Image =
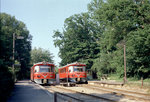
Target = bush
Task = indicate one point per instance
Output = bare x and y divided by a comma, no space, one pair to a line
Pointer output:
6,83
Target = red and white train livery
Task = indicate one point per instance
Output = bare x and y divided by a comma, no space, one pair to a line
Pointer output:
74,72
43,73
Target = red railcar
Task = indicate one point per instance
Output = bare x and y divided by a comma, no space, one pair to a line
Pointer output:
74,72
43,73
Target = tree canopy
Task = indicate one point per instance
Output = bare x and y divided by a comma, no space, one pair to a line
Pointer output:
98,36
125,22
77,42
9,25
40,55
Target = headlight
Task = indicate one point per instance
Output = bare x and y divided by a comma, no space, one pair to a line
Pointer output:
38,76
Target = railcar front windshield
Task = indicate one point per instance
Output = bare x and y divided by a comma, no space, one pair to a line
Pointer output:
44,68
79,68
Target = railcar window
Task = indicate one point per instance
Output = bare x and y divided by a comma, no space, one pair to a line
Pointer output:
45,68
63,70
52,68
70,68
36,68
79,68
84,68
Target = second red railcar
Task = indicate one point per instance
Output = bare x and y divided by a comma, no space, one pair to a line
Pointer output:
74,72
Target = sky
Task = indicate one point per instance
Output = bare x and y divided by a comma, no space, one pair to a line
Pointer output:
42,17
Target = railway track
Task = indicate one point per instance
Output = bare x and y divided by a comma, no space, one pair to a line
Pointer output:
80,95
77,96
131,94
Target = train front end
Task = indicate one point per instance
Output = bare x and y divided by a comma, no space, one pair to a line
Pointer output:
43,73
77,73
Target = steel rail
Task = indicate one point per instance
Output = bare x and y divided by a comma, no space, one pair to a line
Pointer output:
125,93
69,96
123,90
98,97
59,93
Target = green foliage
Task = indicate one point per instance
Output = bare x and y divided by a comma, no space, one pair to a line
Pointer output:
98,37
6,83
139,48
8,26
123,22
77,42
40,55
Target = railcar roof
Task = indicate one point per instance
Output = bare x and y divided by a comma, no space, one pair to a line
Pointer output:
73,64
43,63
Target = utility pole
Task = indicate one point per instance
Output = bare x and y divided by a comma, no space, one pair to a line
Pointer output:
122,43
13,58
125,76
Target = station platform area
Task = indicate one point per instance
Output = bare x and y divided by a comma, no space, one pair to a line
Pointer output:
27,91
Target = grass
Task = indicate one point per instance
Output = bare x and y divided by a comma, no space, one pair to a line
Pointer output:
132,83
117,78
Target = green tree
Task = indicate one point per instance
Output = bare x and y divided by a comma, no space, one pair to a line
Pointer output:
40,55
139,52
8,26
77,42
123,21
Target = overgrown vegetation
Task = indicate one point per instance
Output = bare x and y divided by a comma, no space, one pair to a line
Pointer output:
6,82
98,37
10,25
77,42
